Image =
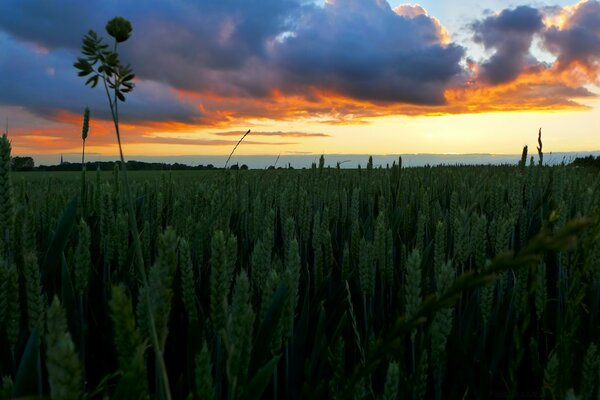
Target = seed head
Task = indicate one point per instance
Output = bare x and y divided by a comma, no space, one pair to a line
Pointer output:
119,28
86,123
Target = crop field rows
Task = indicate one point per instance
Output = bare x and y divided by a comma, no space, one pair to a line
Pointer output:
377,283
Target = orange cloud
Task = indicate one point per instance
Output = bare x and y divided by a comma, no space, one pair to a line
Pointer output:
102,138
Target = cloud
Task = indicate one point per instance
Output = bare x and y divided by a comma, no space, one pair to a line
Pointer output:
53,139
46,83
509,34
204,142
357,48
220,64
365,50
544,90
279,133
576,40
513,79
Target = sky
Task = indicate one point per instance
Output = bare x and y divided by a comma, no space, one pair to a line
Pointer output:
307,76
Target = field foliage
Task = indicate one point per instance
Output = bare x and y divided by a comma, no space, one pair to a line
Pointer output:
444,282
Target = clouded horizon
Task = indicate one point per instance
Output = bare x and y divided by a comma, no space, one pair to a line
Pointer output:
349,76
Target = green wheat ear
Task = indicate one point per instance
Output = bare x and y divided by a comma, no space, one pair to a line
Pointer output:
223,257
260,262
551,376
379,246
239,332
270,287
589,372
9,302
35,300
439,257
441,325
122,241
366,269
420,378
412,284
292,277
337,362
160,287
7,387
128,342
83,261
345,261
392,382
204,382
187,280
127,337
64,370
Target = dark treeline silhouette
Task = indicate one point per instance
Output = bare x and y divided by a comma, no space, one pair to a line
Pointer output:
589,161
22,163
110,165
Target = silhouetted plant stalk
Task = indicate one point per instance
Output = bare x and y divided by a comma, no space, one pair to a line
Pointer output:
84,134
523,162
104,65
539,148
236,146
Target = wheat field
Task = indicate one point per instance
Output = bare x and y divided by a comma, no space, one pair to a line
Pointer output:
376,283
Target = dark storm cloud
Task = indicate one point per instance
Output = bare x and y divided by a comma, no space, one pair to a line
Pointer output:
48,23
509,34
217,61
203,45
364,50
198,31
578,41
46,84
355,48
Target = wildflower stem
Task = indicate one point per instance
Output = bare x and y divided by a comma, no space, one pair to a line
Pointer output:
136,240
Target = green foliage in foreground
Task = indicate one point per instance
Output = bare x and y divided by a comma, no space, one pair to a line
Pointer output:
454,282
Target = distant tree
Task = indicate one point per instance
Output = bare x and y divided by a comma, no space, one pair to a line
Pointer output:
588,161
244,167
22,163
235,167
